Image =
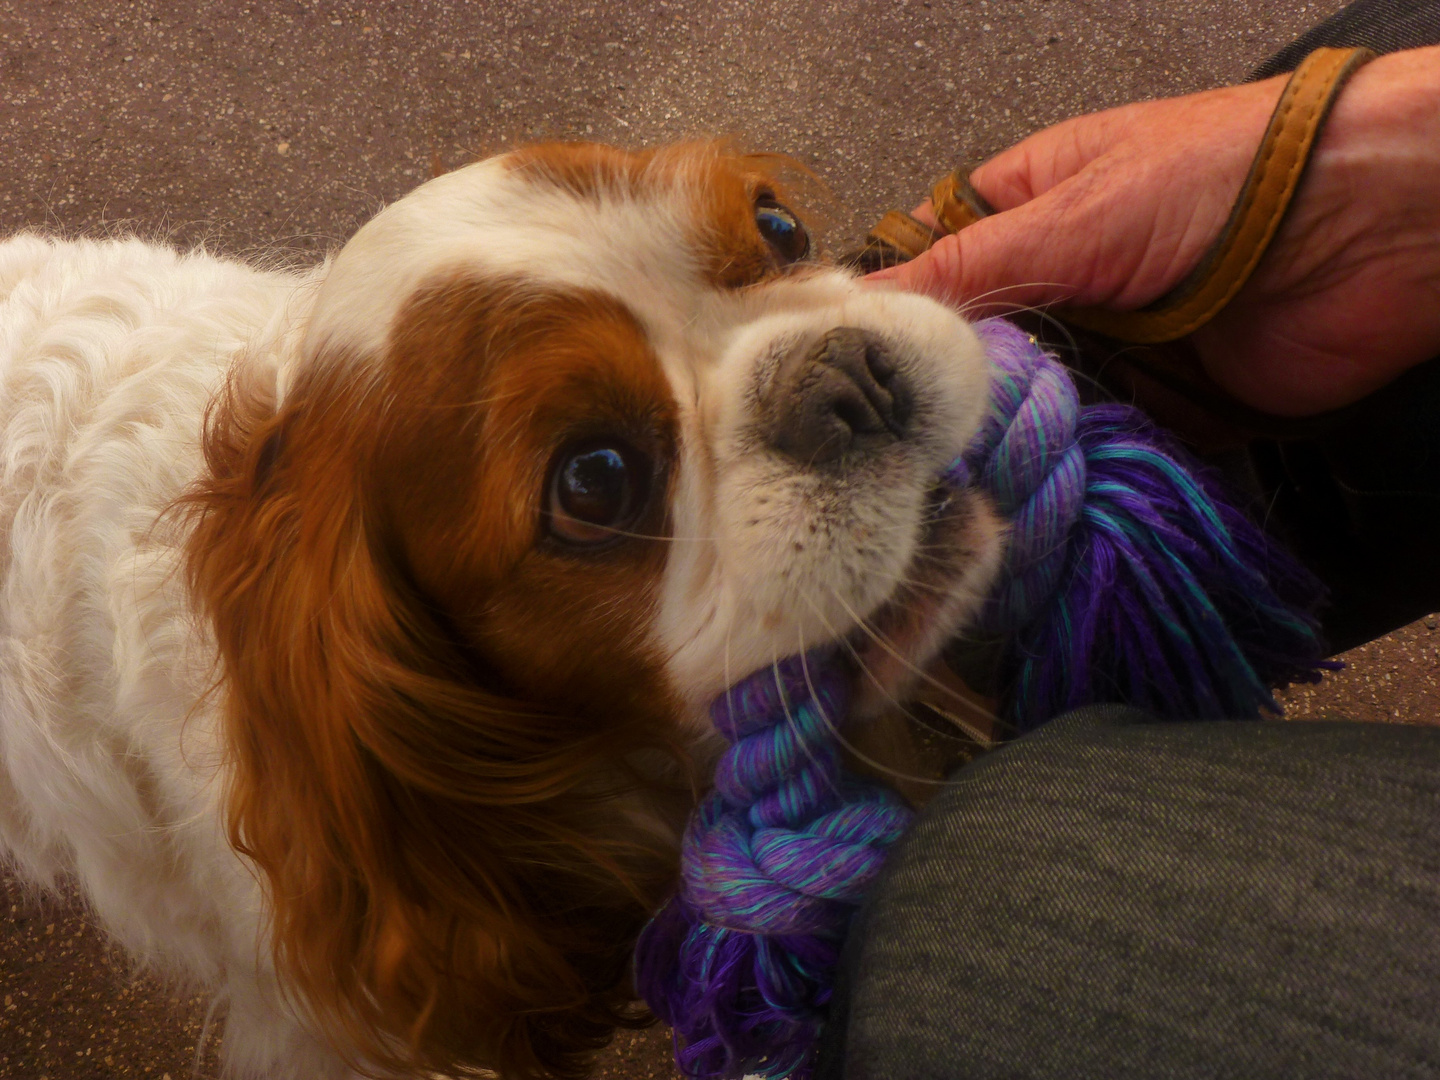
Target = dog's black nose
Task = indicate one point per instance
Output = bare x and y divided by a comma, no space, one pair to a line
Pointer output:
838,396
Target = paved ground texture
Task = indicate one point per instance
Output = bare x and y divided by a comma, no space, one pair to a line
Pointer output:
275,127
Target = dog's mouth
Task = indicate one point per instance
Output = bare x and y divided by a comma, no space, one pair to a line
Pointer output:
939,593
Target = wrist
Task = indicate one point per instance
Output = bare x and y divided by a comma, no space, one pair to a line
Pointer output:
1348,295
1391,107
1381,148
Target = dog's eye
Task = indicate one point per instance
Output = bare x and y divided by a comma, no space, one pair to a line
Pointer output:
597,490
781,229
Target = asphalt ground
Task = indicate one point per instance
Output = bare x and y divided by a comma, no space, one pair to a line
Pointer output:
271,130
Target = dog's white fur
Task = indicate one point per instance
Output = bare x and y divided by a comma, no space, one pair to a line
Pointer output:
110,354
111,765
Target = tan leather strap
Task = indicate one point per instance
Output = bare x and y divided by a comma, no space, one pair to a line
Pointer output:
956,204
1274,175
905,235
899,237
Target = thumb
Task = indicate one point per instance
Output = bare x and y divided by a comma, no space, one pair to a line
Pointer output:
1010,260
1050,241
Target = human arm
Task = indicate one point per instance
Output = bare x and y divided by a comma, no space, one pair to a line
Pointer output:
1114,209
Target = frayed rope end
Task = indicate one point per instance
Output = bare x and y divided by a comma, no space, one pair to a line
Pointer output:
1131,576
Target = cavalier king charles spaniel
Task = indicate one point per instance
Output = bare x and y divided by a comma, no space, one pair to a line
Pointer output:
360,623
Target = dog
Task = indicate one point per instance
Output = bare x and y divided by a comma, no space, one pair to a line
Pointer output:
360,622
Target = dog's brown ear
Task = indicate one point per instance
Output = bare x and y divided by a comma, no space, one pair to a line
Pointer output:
450,879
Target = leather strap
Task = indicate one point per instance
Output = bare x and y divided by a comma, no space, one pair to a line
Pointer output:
956,204
897,237
1268,190
904,235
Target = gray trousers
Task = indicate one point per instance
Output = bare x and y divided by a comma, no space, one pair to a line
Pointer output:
1114,897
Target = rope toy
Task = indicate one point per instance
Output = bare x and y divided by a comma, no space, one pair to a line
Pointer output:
1128,578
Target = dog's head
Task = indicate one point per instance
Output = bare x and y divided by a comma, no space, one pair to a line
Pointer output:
575,438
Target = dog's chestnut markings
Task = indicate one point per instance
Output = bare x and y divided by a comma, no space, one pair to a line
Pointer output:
588,170
719,188
547,369
432,771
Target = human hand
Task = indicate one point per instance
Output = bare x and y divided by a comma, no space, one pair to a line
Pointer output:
1114,209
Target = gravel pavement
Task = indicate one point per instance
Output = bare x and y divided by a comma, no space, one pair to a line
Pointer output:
274,129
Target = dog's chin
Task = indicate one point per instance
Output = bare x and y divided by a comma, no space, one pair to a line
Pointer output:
938,596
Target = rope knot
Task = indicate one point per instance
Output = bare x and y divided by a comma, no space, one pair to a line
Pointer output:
1028,458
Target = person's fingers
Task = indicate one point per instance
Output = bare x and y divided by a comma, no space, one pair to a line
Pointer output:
925,214
1031,167
1039,163
1109,236
1034,166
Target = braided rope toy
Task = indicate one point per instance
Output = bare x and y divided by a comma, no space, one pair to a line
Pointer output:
1128,578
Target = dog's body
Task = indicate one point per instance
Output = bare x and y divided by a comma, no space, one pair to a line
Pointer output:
110,770
398,698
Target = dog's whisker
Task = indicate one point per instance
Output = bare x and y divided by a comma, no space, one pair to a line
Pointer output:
983,300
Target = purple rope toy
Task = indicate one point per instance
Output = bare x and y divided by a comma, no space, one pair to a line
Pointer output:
1128,578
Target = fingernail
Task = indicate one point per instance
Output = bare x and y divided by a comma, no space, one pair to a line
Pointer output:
890,273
